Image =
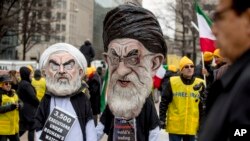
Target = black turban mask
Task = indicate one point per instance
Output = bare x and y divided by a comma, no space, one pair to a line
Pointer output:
127,21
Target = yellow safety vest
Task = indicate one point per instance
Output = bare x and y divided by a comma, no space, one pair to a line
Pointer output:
9,121
183,112
40,86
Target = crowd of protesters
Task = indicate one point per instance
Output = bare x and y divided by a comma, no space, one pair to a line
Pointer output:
205,102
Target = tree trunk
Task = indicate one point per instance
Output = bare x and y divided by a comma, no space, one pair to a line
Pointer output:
25,26
183,29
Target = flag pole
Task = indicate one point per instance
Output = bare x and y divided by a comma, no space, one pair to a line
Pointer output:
202,56
195,26
203,67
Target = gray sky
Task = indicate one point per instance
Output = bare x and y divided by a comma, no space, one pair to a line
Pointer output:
160,9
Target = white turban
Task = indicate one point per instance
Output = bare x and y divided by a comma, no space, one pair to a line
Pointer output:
80,58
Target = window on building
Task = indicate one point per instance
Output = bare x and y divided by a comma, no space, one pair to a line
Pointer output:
48,15
47,27
58,15
59,4
47,38
39,27
34,15
40,15
33,58
63,27
49,3
64,4
63,38
38,38
57,38
58,27
40,4
63,16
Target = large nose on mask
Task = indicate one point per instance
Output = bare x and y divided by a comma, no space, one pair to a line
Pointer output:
122,69
61,69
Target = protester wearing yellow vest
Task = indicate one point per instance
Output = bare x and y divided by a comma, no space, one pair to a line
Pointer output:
9,113
179,107
39,83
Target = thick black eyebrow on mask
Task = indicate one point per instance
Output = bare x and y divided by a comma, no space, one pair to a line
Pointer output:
70,61
53,62
132,53
113,52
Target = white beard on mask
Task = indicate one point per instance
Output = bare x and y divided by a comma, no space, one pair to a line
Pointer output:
128,102
62,87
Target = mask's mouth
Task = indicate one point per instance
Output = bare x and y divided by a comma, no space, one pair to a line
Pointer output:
123,83
62,79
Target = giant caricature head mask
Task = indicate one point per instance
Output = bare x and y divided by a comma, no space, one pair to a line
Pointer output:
63,66
134,49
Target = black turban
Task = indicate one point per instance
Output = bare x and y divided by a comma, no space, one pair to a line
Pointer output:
128,21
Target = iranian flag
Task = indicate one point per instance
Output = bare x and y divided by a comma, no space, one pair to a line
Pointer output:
104,91
160,73
206,36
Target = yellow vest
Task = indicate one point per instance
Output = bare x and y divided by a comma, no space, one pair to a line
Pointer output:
40,86
9,121
183,112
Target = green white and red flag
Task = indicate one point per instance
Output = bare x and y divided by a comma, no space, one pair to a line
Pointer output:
157,79
104,91
207,39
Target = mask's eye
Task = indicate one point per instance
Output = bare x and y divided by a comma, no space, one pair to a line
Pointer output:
133,60
114,60
54,67
69,66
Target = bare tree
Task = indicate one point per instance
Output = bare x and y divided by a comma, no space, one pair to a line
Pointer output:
35,22
32,21
184,15
185,36
8,15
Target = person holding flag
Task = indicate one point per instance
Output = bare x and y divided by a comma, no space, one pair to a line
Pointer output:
208,70
207,43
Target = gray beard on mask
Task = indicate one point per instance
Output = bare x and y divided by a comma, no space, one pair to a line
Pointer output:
62,88
128,102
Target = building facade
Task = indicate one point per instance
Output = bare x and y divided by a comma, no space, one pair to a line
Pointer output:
72,21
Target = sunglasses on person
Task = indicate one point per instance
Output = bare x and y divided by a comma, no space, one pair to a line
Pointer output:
189,66
7,83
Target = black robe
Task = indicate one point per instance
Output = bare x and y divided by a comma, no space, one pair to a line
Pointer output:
147,120
80,104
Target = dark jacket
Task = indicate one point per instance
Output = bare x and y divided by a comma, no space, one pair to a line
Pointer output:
147,120
209,68
165,80
220,71
94,84
228,105
26,92
88,51
80,104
